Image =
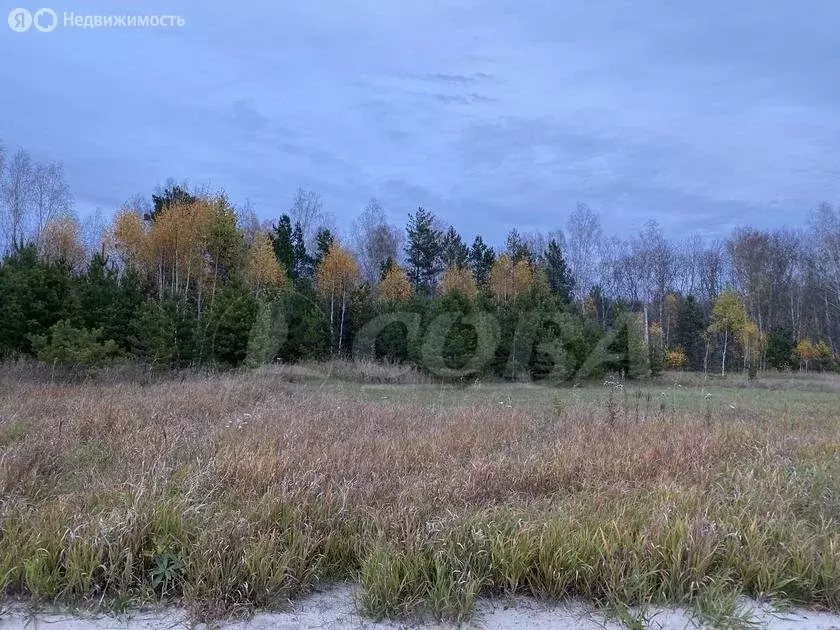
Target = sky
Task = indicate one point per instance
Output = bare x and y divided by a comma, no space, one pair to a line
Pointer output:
492,113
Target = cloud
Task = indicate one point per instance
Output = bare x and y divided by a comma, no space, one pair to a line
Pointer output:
492,113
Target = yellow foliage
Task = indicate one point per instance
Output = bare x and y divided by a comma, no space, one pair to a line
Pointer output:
655,333
338,271
509,279
823,350
675,358
458,279
265,272
186,247
61,241
130,237
806,350
395,286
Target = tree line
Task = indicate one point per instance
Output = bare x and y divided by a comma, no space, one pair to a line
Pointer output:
185,278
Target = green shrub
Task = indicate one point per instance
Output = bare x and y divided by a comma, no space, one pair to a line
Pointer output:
67,345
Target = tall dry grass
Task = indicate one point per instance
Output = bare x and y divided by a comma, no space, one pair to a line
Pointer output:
241,491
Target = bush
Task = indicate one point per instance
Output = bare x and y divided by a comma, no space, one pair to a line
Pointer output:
675,359
67,345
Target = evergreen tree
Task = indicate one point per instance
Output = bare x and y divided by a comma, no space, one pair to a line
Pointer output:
453,251
303,266
780,348
108,300
689,334
67,345
386,266
172,195
629,355
481,259
323,241
423,251
560,279
281,241
34,296
517,249
152,335
233,317
308,335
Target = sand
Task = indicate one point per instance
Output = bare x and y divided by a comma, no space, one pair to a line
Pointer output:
335,609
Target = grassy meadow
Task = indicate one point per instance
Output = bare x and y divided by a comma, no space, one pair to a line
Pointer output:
244,490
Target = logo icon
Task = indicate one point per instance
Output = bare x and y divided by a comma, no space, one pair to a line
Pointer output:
20,20
45,20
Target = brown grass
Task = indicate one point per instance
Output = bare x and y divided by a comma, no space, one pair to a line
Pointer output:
237,491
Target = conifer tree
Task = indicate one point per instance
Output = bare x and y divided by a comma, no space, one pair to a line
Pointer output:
480,260
423,251
560,279
453,251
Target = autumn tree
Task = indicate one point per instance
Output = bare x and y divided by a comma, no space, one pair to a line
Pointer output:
307,210
171,195
61,241
750,338
186,251
265,273
509,279
16,198
728,319
458,279
395,286
337,275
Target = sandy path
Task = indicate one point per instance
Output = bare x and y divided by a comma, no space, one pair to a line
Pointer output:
335,609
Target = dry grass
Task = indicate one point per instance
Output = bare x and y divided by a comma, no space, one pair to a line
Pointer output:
236,491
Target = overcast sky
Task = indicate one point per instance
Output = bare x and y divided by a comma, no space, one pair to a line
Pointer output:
701,115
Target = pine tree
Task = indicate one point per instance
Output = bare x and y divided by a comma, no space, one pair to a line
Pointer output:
481,259
560,279
780,348
108,299
690,328
453,251
152,335
281,241
386,266
34,295
423,251
233,317
302,260
323,241
172,195
308,335
517,249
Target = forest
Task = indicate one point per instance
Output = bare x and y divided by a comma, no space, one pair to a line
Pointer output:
185,278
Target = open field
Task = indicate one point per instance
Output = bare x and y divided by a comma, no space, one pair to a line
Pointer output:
242,491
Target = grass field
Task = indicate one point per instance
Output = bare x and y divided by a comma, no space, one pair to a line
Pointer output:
241,491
